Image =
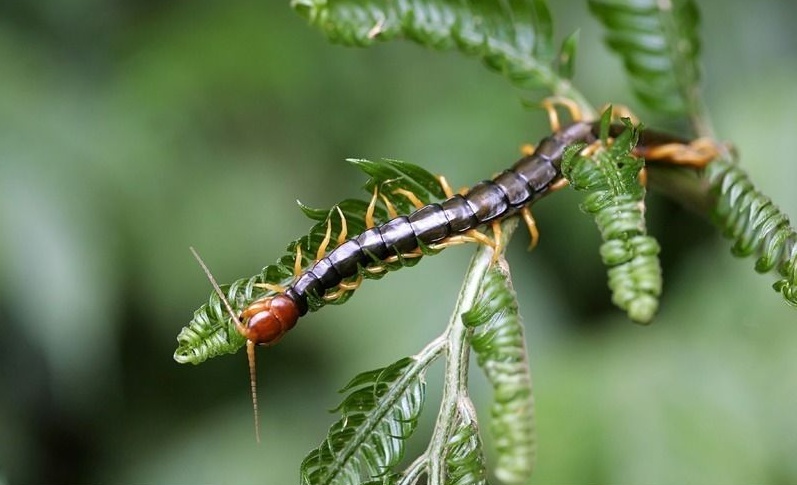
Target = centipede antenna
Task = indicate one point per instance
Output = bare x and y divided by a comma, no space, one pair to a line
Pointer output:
250,354
216,288
250,346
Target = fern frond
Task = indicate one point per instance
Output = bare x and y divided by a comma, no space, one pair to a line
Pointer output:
513,37
658,42
211,331
756,224
615,198
501,352
463,452
378,415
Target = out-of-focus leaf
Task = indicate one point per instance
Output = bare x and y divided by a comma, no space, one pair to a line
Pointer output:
513,37
658,42
379,414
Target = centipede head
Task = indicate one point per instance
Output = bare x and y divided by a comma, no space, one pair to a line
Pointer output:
265,321
243,330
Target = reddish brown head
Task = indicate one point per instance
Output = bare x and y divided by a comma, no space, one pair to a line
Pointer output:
266,321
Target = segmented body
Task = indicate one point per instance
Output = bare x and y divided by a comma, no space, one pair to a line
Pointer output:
266,320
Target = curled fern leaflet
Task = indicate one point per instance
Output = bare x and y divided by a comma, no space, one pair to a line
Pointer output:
501,352
463,452
614,196
756,224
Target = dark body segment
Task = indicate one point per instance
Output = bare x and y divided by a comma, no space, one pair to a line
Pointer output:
491,200
372,245
515,187
488,201
430,224
525,182
398,235
459,214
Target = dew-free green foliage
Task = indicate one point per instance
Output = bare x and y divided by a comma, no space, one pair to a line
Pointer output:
615,197
756,225
464,460
658,42
500,349
513,37
379,413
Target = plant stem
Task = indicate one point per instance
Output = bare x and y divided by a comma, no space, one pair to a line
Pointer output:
457,355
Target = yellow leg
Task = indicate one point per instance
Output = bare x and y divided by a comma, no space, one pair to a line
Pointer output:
380,268
453,241
344,229
446,188
527,149
549,105
697,153
531,224
322,249
590,149
369,213
498,248
297,263
391,211
411,197
297,271
394,258
343,287
558,185
472,236
375,269
271,287
643,177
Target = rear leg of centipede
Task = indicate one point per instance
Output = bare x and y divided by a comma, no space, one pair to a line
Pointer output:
250,345
697,153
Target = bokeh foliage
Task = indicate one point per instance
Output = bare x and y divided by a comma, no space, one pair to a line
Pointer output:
133,130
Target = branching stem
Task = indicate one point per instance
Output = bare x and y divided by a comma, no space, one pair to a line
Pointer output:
458,353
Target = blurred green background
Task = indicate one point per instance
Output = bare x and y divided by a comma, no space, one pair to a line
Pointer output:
130,130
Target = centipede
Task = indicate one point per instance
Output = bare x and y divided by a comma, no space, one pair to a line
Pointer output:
433,226
452,221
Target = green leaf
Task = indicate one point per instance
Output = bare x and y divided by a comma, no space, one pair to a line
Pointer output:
756,224
658,42
378,415
501,353
567,56
614,196
211,332
514,37
463,452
